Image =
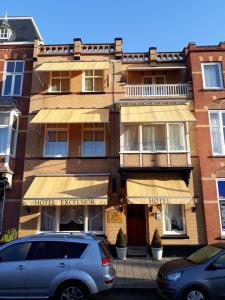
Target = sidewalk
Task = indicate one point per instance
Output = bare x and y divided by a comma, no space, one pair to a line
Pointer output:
137,272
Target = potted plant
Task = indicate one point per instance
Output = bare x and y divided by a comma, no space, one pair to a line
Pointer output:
156,246
121,245
9,235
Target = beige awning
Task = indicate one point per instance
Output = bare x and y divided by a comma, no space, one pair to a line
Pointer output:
67,191
156,113
73,66
71,115
162,189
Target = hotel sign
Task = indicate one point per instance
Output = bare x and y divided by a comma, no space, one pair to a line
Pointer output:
64,202
158,200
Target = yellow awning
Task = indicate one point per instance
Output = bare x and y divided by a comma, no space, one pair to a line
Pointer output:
71,115
156,113
161,189
73,66
67,191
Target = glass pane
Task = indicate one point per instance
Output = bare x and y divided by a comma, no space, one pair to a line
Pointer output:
216,140
173,218
214,119
223,118
221,189
8,85
98,84
131,138
65,85
10,66
99,143
56,74
98,73
18,252
75,250
65,74
72,218
4,118
56,143
3,140
48,218
159,80
148,138
13,142
19,66
88,143
176,137
48,250
222,214
95,218
61,136
212,75
88,84
147,80
55,85
89,73
14,125
160,137
17,85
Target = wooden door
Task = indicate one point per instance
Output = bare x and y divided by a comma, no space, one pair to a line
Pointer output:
136,225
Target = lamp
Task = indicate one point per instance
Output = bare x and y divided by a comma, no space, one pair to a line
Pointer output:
196,201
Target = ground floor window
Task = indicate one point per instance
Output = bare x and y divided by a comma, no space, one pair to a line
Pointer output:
72,218
221,198
174,219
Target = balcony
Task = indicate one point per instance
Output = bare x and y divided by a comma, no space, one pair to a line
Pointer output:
157,90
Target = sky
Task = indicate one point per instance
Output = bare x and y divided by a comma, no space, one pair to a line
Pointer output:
166,24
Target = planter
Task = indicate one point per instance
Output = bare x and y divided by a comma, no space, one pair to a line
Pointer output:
157,253
121,253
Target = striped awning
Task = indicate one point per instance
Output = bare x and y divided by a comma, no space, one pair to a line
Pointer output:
162,189
156,113
71,115
73,66
67,191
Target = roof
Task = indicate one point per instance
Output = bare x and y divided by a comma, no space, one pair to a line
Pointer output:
24,29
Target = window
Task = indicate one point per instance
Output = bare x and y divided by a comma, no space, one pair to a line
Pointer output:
154,80
17,252
56,141
221,199
95,218
72,218
48,218
13,78
48,250
212,75
217,128
93,81
8,132
173,219
75,250
60,82
168,137
4,34
93,140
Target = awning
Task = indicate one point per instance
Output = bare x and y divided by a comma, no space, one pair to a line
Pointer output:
67,191
71,115
156,113
73,66
162,189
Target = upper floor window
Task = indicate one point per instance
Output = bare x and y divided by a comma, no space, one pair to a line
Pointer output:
93,143
4,34
168,137
217,128
212,75
93,81
13,78
56,141
60,81
153,80
8,133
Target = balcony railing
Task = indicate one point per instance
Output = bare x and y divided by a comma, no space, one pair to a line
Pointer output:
156,90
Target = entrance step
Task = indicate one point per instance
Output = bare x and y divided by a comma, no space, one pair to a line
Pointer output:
137,251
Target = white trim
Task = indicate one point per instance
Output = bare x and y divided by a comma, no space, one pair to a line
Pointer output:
183,218
60,78
220,127
220,75
93,78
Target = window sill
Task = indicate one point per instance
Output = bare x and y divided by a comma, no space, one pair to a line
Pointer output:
57,93
91,93
222,89
175,237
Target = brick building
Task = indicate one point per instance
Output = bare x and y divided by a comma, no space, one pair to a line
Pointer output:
17,35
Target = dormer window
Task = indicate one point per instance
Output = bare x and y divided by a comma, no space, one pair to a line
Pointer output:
5,34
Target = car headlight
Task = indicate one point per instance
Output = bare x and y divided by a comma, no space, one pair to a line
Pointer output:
173,276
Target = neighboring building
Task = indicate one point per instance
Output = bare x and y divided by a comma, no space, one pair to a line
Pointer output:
111,143
207,67
17,35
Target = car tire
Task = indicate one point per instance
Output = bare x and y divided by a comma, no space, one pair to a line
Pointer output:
71,290
195,293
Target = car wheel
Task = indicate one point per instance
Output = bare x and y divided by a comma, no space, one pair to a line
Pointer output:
71,291
195,293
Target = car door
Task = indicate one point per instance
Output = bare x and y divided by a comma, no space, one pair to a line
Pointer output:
216,277
13,268
48,263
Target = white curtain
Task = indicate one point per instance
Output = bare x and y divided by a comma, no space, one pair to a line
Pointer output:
173,217
95,218
176,137
215,131
131,138
93,143
212,75
56,143
148,138
160,137
72,214
48,218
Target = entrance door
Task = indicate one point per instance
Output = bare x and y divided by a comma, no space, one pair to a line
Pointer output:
136,225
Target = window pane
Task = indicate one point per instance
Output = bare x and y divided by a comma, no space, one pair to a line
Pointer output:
131,138
19,66
10,66
216,140
65,74
147,80
176,137
13,142
214,119
159,80
48,218
148,138
55,85
3,140
160,137
18,252
223,118
221,189
222,214
173,218
65,85
95,218
98,73
8,85
75,250
212,75
89,84
88,143
4,118
48,250
17,85
89,73
56,74
98,84
56,143
72,218
99,143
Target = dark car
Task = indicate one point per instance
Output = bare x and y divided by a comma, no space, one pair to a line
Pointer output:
201,276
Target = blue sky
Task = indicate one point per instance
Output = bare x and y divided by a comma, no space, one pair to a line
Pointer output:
167,24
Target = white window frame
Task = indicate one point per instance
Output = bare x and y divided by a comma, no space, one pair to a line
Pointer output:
154,79
86,219
4,31
59,77
174,232
93,78
222,138
218,203
140,138
13,74
66,128
103,129
220,75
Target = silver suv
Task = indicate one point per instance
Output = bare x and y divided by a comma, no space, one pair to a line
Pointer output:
64,266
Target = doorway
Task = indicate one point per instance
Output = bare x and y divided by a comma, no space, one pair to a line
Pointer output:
136,225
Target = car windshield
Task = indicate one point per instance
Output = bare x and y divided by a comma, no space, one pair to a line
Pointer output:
204,254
